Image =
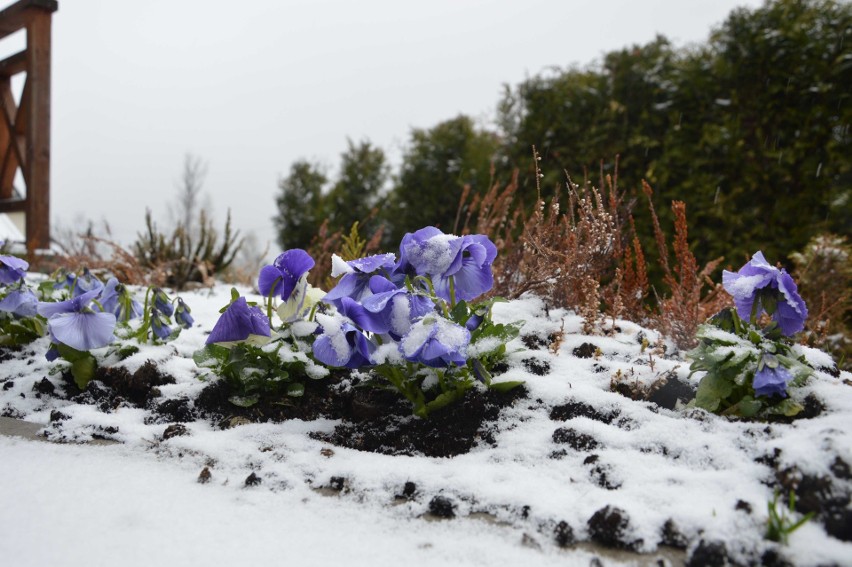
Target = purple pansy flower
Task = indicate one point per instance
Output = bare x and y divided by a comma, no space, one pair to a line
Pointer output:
21,302
466,259
281,277
85,283
182,314
356,276
12,269
238,323
758,281
390,309
116,299
162,303
771,377
160,327
436,342
342,344
76,324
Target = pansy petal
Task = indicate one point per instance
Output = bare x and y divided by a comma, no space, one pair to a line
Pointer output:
266,279
83,331
788,287
238,322
771,381
295,262
350,285
20,302
48,309
14,262
472,281
380,284
325,352
370,264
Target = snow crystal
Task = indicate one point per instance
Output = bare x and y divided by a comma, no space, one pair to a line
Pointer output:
400,321
451,335
419,333
436,254
744,286
339,266
333,328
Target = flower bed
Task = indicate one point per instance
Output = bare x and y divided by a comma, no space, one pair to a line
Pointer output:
599,443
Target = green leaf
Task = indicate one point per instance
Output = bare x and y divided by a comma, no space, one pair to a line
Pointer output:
445,399
505,386
787,407
127,351
244,401
746,407
460,313
83,370
712,390
210,356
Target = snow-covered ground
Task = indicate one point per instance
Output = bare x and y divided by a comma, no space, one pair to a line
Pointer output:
139,501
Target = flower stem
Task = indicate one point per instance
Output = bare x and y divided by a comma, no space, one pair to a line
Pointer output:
269,300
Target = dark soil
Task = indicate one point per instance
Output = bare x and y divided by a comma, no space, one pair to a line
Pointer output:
373,420
828,497
585,350
708,554
608,527
442,507
322,398
114,386
381,422
138,388
574,439
574,409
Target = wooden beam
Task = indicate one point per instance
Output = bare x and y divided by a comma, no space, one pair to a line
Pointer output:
38,133
6,180
10,111
13,206
18,15
13,64
8,168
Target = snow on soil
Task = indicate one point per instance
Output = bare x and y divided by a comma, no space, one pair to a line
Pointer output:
139,503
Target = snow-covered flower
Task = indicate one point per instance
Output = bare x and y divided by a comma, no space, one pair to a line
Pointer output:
436,342
20,301
12,269
759,286
240,322
392,310
771,377
341,343
74,323
285,273
461,261
356,276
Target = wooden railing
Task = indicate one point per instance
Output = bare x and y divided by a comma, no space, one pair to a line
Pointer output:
25,127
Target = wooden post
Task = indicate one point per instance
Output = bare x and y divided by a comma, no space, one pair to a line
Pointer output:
25,128
38,132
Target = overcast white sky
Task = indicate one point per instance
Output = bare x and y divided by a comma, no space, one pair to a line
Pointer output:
252,86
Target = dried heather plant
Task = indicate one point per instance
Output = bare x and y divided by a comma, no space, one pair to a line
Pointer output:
564,256
100,255
680,313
